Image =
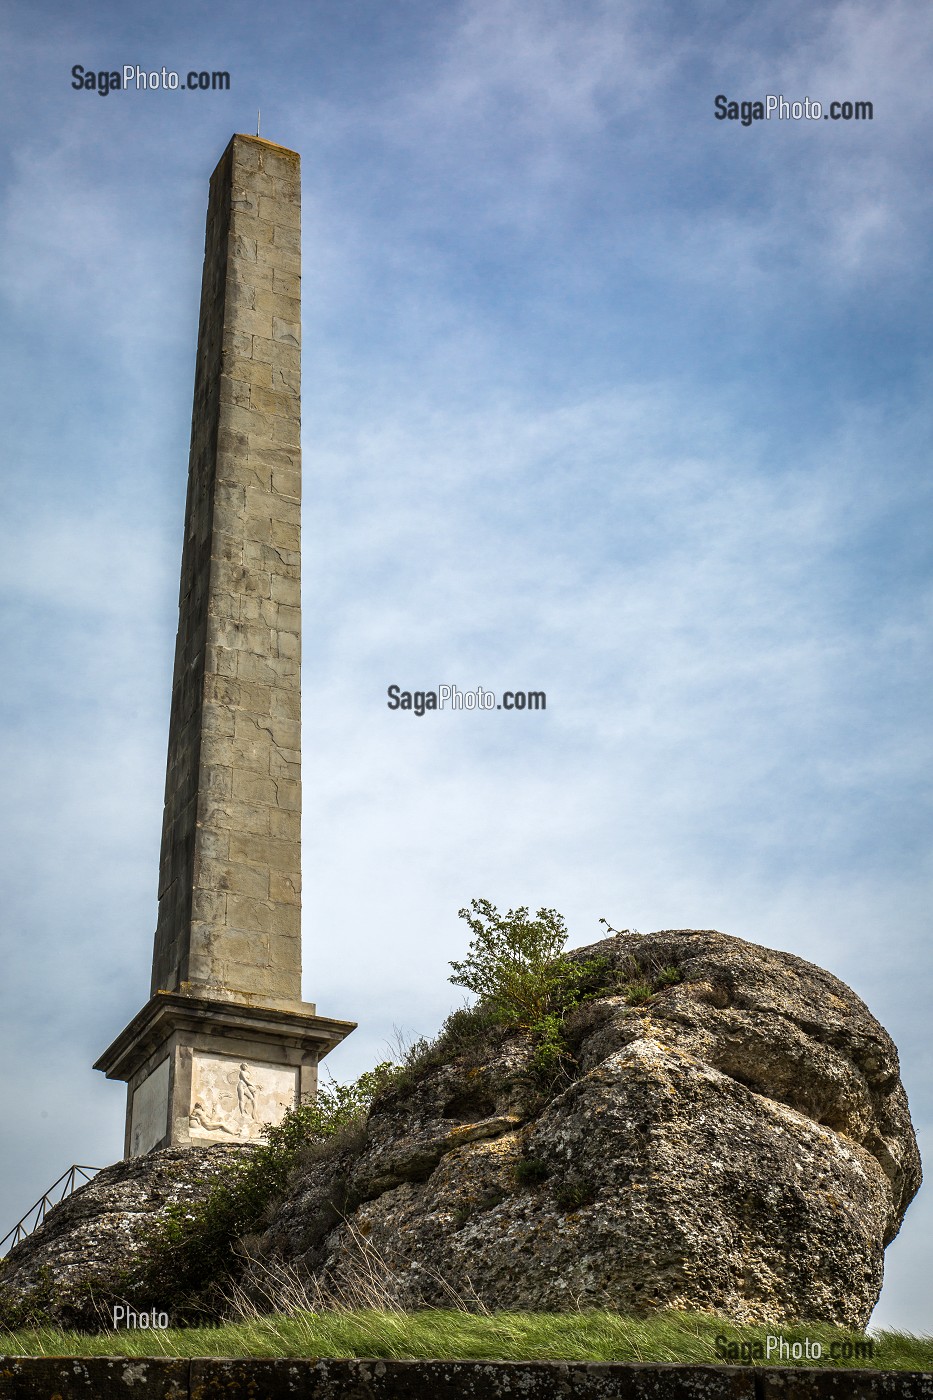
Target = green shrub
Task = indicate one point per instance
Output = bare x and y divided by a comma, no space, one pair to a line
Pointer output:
550,1050
668,977
643,983
513,963
531,1171
516,966
574,1192
190,1251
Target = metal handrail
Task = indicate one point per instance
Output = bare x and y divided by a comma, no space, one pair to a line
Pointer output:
37,1213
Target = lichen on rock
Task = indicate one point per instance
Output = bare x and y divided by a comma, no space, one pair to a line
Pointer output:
740,1142
70,1270
727,1132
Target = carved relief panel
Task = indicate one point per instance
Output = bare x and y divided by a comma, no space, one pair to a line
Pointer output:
232,1100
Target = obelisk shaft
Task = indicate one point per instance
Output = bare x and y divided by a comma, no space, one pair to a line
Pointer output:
230,871
225,1045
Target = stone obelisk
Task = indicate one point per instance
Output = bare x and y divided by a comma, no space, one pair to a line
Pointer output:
225,1044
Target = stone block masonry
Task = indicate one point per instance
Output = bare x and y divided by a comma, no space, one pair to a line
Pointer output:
143,1378
225,1044
230,873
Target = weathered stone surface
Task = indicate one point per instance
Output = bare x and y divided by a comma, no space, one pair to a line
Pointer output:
741,1143
244,493
94,1378
230,873
88,1239
103,1378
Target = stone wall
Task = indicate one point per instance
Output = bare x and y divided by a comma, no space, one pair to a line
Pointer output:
100,1378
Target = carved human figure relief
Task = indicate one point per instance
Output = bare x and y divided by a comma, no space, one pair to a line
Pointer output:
200,1117
246,1093
236,1099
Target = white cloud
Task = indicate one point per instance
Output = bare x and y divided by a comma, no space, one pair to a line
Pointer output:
735,666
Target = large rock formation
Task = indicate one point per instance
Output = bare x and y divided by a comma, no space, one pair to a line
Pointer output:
70,1269
730,1134
739,1142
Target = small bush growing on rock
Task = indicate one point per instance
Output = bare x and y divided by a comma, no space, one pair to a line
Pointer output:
467,1030
35,1309
574,1192
192,1248
643,987
513,963
516,966
668,977
551,1044
336,1106
531,1171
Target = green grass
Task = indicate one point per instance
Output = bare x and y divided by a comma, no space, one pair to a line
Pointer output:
582,1336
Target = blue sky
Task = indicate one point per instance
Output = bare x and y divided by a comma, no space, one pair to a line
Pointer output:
601,396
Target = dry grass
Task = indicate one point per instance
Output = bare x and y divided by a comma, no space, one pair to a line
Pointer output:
359,1312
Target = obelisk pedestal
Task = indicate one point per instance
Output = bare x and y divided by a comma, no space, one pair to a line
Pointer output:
225,1043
